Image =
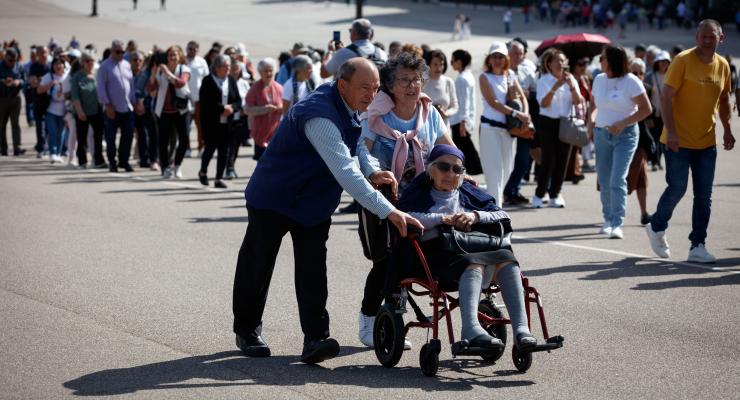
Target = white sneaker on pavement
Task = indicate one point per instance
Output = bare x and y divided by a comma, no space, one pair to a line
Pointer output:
658,242
178,172
558,202
536,202
701,255
366,332
366,329
616,233
606,229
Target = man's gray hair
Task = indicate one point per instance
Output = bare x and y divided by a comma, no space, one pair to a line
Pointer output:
269,61
362,28
347,70
517,44
301,62
220,61
87,55
116,44
711,23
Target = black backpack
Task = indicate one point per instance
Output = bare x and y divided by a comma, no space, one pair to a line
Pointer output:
375,57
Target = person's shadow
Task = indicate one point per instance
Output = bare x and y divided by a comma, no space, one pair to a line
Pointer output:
230,368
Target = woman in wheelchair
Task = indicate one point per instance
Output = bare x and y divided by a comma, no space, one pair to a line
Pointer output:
440,197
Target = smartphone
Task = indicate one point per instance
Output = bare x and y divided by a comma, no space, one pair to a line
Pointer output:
337,38
160,58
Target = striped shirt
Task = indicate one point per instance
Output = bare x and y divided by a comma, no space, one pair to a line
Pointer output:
327,140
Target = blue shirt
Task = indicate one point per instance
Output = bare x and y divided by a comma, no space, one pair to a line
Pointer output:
116,85
381,156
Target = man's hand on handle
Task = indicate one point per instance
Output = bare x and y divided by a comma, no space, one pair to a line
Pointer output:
401,220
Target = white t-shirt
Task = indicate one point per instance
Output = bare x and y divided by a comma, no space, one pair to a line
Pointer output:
56,105
613,98
562,100
198,70
500,85
288,90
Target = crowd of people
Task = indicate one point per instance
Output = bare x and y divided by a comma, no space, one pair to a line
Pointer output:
311,111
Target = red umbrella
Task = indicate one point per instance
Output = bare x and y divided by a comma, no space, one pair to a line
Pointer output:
575,46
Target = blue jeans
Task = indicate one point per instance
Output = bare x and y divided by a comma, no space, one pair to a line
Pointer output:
126,122
54,128
521,167
677,165
613,156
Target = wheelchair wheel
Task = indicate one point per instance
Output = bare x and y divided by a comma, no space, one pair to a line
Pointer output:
495,330
429,357
522,360
388,336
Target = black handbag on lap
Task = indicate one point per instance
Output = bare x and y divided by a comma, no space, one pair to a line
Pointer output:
488,237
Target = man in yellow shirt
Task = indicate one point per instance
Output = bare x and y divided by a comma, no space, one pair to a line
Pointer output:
696,84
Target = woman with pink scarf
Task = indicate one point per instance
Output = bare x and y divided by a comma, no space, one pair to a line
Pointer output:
398,132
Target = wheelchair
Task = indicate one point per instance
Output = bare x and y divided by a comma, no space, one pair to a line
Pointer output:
389,330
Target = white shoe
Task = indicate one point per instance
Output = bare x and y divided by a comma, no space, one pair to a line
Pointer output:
406,344
546,198
558,202
658,242
178,172
167,173
366,329
606,229
537,202
616,233
701,255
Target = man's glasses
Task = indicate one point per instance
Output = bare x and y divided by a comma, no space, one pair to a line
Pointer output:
406,82
446,167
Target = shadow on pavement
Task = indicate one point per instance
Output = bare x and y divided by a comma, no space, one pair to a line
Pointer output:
632,267
230,368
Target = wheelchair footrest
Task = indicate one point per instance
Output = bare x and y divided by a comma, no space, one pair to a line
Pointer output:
552,343
463,348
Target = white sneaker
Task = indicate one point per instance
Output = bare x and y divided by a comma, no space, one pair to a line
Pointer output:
558,202
178,172
658,242
701,255
167,174
616,233
606,229
546,198
537,202
366,329
406,344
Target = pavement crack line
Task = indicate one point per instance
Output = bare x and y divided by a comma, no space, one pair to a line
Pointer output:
267,381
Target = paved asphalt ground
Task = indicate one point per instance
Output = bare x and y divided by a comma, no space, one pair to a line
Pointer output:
120,284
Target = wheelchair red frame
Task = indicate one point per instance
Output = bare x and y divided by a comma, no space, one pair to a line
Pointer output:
389,345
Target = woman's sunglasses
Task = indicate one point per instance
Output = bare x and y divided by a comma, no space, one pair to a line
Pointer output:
446,167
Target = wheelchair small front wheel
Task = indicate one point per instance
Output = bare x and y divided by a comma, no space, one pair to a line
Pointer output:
388,336
496,330
429,358
522,359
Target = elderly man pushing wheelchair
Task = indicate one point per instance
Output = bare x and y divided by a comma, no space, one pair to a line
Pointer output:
295,188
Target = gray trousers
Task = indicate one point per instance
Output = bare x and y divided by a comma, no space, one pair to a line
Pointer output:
10,108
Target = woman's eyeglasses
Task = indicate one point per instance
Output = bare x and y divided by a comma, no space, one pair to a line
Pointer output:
406,82
446,167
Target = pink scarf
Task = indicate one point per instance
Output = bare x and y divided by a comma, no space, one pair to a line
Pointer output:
383,104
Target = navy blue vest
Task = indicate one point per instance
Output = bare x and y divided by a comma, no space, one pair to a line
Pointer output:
291,178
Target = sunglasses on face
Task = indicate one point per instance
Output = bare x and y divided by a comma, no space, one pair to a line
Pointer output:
446,167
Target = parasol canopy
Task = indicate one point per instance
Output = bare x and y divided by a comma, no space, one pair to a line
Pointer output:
575,46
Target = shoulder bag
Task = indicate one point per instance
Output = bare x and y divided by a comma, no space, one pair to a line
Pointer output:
573,130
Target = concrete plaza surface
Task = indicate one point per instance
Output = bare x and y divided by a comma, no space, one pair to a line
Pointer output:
120,284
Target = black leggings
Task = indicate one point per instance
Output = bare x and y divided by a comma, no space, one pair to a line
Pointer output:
96,121
555,153
216,138
172,125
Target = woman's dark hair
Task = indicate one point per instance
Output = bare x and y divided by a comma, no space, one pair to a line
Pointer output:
76,66
617,59
401,61
437,53
463,56
106,53
283,57
56,60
